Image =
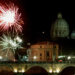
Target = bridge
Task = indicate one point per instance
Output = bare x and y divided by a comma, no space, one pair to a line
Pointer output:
20,68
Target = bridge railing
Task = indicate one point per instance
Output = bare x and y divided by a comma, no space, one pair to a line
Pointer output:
33,62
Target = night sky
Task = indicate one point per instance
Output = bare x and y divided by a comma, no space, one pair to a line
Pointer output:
39,16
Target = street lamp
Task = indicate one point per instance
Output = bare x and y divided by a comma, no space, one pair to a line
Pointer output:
35,57
1,57
50,70
69,58
15,70
57,70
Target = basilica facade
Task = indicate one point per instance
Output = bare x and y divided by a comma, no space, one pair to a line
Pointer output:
43,51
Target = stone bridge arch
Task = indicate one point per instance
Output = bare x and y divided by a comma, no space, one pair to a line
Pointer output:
67,69
6,67
37,70
44,66
67,65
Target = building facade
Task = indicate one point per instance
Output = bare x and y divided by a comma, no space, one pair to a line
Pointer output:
7,55
43,51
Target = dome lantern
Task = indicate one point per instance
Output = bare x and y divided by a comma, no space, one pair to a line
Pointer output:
59,15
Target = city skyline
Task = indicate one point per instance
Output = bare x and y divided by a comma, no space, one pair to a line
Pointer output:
37,37
38,17
41,16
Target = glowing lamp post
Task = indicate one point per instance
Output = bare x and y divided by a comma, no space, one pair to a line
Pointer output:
1,57
69,58
15,70
50,70
35,57
57,70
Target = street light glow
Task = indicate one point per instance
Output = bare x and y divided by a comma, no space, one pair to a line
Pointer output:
50,70
57,70
35,57
0,57
15,70
23,70
69,57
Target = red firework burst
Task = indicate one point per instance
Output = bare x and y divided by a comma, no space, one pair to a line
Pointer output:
10,18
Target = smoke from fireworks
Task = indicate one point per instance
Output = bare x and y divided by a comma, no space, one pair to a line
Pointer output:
10,18
8,43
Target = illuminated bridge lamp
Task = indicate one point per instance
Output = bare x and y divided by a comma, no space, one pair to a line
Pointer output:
23,70
69,57
54,71
50,71
15,70
57,70
0,57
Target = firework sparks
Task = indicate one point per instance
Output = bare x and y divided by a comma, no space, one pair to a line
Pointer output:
10,18
8,43
18,39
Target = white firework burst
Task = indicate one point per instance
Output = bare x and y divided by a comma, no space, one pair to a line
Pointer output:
8,43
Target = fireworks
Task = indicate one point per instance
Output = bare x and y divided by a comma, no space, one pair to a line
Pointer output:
10,23
18,39
8,43
10,18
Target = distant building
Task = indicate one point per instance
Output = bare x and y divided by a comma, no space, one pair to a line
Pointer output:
6,55
21,54
43,51
60,28
73,35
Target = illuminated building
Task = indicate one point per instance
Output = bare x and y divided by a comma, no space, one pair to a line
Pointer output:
60,28
73,35
43,51
6,55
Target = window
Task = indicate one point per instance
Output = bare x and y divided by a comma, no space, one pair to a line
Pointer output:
47,53
40,46
54,46
40,54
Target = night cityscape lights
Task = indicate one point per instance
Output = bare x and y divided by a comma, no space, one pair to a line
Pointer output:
9,43
36,40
